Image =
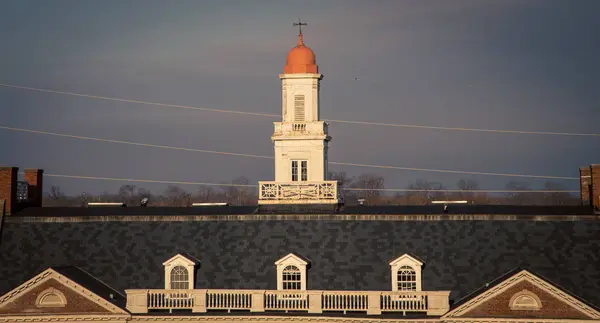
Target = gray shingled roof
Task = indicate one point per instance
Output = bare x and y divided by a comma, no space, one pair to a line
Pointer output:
459,256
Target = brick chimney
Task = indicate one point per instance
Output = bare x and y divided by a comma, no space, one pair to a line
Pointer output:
34,178
585,185
8,188
595,186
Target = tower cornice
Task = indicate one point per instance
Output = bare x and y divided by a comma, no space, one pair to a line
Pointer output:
301,76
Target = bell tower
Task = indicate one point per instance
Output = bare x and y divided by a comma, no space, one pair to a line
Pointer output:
301,139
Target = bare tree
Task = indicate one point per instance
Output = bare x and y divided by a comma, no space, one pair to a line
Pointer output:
424,192
558,198
56,193
369,186
127,194
176,196
520,196
344,181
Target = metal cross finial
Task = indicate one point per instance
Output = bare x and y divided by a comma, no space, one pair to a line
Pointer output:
300,24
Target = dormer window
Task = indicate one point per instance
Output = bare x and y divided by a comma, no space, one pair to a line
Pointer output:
406,274
180,278
291,273
292,278
179,272
407,279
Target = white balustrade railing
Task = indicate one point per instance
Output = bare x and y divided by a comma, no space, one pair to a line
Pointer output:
315,128
298,192
286,300
170,299
345,301
371,302
299,127
403,302
228,300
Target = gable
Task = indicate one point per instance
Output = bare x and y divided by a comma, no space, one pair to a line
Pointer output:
523,295
551,307
182,259
291,259
406,259
32,301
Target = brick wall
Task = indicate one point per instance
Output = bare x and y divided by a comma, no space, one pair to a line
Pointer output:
595,186
584,184
34,178
8,188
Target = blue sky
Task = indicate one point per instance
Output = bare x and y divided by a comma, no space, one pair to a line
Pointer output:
526,65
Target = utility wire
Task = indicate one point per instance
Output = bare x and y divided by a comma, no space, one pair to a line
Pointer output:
270,157
345,189
522,132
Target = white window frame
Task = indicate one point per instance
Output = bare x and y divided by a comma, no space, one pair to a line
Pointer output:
409,261
291,260
300,169
180,260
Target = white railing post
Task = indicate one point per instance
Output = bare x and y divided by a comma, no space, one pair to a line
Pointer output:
258,301
314,301
198,297
374,300
137,300
438,303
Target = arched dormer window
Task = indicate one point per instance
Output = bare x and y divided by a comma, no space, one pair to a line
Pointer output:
407,279
406,273
179,278
291,273
179,272
291,279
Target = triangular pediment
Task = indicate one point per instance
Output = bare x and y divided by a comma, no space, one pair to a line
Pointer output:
406,258
291,258
523,295
182,258
51,292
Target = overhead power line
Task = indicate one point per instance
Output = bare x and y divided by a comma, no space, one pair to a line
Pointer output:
164,105
270,157
256,186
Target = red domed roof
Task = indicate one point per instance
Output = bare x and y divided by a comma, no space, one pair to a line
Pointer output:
300,59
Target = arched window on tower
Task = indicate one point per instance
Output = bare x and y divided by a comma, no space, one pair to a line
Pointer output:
179,278
299,111
291,278
407,279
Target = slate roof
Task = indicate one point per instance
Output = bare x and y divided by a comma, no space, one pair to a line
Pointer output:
93,284
459,256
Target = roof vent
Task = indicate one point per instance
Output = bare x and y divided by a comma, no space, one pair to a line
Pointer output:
106,204
210,204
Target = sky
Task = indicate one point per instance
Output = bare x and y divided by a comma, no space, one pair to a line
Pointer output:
493,64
